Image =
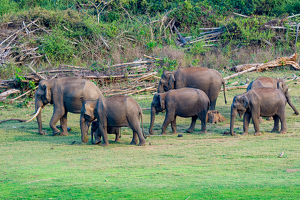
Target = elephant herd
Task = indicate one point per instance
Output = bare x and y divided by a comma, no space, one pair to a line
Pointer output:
187,92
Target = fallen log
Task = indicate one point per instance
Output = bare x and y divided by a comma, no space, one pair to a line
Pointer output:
3,95
281,61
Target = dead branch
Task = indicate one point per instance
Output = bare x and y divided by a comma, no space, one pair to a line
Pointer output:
18,31
12,100
240,15
13,119
5,94
71,66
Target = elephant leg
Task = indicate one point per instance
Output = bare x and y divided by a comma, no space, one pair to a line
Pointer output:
276,124
255,118
117,131
213,104
97,136
134,140
57,115
192,126
136,128
103,131
168,119
173,125
269,118
246,122
202,117
63,124
281,114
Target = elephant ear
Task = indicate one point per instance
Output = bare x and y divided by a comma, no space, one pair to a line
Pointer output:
45,92
162,102
245,101
280,86
171,81
88,109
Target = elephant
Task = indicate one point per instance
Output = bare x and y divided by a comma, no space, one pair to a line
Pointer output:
66,95
110,130
273,83
207,80
115,111
258,102
183,102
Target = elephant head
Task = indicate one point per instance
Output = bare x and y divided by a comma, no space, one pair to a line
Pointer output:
166,82
43,96
87,115
281,85
157,106
239,106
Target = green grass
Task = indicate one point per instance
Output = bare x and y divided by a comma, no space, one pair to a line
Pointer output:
195,166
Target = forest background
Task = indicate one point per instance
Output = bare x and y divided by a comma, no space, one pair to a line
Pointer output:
97,34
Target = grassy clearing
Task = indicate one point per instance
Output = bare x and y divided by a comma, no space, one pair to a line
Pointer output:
194,166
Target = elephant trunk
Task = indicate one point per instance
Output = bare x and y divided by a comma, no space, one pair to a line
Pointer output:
291,104
153,111
84,126
233,114
160,88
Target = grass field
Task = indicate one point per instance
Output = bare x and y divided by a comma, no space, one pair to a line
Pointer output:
195,166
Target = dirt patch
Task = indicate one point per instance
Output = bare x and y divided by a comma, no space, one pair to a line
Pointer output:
292,170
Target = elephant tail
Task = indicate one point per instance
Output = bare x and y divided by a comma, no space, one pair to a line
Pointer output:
224,89
142,123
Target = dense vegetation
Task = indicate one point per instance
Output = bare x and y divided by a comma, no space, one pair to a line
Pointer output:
132,28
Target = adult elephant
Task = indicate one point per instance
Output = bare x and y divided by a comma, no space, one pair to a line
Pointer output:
207,80
113,111
264,102
273,83
184,102
66,95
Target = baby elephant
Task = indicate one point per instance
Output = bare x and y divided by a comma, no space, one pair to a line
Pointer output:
110,130
184,102
114,111
265,102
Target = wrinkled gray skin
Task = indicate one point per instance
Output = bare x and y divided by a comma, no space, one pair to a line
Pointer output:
184,102
110,130
207,80
265,102
66,95
114,111
273,83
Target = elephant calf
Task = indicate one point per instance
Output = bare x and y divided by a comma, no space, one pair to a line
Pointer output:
184,102
114,111
110,130
265,102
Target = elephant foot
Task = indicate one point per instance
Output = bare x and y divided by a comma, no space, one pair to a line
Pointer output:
64,134
283,132
104,145
245,133
117,140
133,143
203,132
269,118
260,120
274,130
55,132
189,130
257,133
42,133
142,143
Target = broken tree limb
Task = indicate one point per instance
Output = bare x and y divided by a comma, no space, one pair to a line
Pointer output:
12,100
235,87
13,119
239,73
281,61
5,94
